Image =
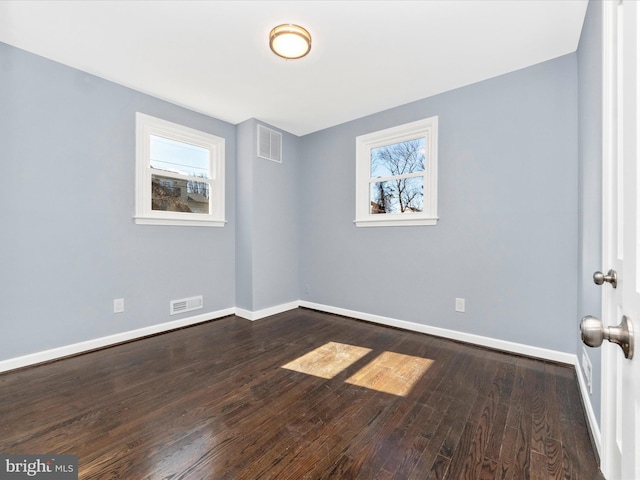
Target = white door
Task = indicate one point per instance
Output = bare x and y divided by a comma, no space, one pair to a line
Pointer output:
621,376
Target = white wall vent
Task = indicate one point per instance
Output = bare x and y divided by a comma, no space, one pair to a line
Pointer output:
269,144
185,305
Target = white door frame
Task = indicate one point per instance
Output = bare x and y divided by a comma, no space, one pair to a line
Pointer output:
608,452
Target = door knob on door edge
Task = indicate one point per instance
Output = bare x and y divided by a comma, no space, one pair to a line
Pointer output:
593,333
611,277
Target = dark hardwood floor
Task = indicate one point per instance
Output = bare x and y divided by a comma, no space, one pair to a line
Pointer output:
213,401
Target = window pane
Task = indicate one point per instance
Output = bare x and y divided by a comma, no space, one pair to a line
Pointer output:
402,195
177,195
178,157
398,159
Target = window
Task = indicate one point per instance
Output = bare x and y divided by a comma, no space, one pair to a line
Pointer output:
396,175
179,174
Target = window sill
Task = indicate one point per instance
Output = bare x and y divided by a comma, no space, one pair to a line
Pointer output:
178,221
396,222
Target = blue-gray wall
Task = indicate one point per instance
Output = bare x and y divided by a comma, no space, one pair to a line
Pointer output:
69,244
508,206
590,182
267,206
246,150
276,202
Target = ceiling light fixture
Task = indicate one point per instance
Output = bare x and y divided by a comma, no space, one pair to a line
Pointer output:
290,41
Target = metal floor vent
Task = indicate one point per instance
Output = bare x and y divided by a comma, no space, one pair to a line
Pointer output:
269,144
185,305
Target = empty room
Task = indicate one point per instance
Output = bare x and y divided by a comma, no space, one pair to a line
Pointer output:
319,239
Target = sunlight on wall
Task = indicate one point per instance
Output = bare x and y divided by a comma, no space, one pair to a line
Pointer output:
389,372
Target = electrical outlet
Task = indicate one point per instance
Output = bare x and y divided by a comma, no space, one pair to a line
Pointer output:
587,369
118,305
460,305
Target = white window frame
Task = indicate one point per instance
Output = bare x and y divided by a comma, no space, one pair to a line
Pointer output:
146,126
427,128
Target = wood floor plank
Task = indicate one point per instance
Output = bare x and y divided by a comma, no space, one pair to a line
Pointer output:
517,398
538,466
523,449
460,467
411,443
439,468
477,465
552,415
553,455
213,401
505,469
496,435
577,447
434,430
538,417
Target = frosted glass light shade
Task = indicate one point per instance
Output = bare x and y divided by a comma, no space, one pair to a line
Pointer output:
290,41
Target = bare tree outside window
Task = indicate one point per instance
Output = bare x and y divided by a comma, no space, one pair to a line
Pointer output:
397,177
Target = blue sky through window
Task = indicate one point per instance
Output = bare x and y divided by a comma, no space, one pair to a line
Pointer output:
179,157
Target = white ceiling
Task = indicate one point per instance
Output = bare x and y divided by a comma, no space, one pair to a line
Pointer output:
367,56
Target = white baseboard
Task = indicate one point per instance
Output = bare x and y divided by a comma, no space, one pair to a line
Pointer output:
81,347
76,348
266,312
511,347
591,415
517,348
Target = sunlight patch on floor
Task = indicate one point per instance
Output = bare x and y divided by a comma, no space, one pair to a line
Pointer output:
392,373
389,372
328,360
